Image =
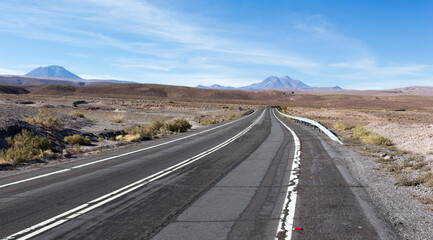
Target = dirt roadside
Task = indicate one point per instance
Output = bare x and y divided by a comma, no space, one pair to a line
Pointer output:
399,178
99,119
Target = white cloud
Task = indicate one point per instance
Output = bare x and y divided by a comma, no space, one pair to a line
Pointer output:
99,76
371,68
152,67
6,71
171,45
390,84
160,31
194,79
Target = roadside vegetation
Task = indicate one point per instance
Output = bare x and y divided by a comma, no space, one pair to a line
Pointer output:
215,120
342,126
24,146
363,134
77,140
153,129
45,119
407,168
118,118
368,137
77,114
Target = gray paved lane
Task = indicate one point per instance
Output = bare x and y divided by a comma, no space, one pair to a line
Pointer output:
330,205
235,192
246,203
30,203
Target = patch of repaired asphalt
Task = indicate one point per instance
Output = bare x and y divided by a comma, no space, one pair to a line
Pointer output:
213,215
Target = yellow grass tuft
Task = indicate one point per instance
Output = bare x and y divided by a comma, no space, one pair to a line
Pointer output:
368,137
45,118
342,126
129,138
77,115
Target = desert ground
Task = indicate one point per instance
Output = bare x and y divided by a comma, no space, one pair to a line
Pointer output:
401,167
99,119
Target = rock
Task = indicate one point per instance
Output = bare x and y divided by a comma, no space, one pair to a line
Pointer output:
76,103
66,153
387,157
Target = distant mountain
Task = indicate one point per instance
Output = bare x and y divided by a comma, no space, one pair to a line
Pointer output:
52,72
216,86
273,82
41,81
270,83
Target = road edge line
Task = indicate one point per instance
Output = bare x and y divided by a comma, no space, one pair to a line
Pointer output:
285,226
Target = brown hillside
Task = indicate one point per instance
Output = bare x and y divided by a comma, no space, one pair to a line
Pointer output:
165,92
389,101
6,89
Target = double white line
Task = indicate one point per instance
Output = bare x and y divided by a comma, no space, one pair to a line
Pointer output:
89,206
114,157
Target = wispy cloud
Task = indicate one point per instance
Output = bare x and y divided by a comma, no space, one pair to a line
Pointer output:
370,67
7,71
152,67
194,79
99,76
155,43
159,31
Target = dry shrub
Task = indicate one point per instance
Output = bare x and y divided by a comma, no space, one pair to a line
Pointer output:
368,137
394,168
118,118
152,129
233,116
47,119
210,121
77,115
178,125
147,131
342,126
24,146
426,179
405,181
128,138
425,200
77,140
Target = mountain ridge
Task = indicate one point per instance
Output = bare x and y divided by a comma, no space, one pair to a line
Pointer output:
52,71
271,83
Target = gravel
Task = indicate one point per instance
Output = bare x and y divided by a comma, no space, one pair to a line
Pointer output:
410,217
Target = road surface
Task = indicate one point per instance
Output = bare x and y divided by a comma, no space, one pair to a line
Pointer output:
236,180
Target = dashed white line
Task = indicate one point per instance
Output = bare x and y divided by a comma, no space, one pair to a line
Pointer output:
114,157
84,208
287,216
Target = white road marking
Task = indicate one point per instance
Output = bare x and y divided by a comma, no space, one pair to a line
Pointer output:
117,156
288,212
84,208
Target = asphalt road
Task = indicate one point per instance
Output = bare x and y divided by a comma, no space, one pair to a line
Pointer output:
230,182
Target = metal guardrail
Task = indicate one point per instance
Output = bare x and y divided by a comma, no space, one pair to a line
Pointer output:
313,123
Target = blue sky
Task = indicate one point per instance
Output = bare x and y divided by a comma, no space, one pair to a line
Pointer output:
353,44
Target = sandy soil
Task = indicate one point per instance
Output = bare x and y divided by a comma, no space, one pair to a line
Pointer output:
417,138
104,118
408,130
